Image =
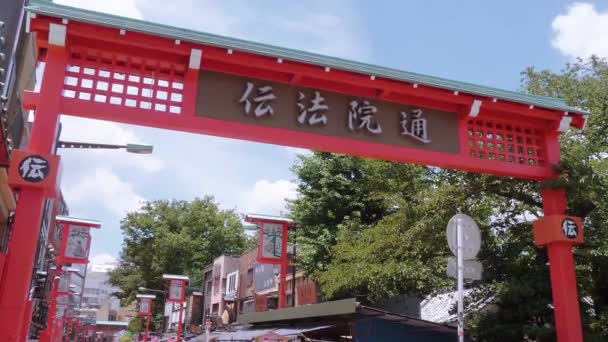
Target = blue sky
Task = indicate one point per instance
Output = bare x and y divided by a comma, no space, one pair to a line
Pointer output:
485,42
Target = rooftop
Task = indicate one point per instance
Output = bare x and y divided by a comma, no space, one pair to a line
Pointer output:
71,13
339,309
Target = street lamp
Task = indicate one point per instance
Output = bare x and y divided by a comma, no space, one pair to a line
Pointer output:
131,148
164,296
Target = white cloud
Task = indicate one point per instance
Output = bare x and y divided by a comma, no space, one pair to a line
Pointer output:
319,26
267,197
103,188
125,8
581,32
327,27
103,259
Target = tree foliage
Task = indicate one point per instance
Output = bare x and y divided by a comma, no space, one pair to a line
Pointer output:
174,237
374,228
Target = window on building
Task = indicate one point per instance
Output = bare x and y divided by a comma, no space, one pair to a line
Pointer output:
208,290
249,280
215,308
232,279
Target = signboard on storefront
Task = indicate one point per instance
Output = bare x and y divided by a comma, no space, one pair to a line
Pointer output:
307,293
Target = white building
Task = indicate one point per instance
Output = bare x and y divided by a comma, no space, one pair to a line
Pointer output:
97,297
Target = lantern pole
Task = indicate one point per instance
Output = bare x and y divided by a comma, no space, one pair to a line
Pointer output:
148,299
179,322
175,282
47,334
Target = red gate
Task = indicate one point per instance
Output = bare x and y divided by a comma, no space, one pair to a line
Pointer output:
105,67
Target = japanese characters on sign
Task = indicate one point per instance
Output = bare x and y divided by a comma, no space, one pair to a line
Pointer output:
176,289
261,100
34,168
361,115
34,171
78,242
272,240
272,104
144,305
569,228
307,294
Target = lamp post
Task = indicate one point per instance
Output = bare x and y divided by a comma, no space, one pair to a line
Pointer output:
177,292
131,148
163,294
72,248
145,308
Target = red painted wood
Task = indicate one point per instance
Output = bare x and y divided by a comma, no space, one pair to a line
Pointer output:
202,125
143,44
22,246
146,52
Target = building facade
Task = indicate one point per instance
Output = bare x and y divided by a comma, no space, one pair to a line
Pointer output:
97,297
235,286
220,305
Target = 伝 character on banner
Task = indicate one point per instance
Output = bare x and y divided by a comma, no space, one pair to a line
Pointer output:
262,100
34,168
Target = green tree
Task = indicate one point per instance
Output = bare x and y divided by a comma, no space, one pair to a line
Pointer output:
332,188
136,325
175,237
376,228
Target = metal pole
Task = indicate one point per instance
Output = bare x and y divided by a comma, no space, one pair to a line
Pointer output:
459,241
147,336
186,319
293,271
179,322
48,333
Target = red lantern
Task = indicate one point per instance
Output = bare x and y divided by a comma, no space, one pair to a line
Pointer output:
75,239
272,246
177,294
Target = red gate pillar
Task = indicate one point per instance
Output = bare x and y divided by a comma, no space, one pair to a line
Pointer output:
561,265
548,232
28,214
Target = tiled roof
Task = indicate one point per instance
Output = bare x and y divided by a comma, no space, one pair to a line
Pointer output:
66,12
437,308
